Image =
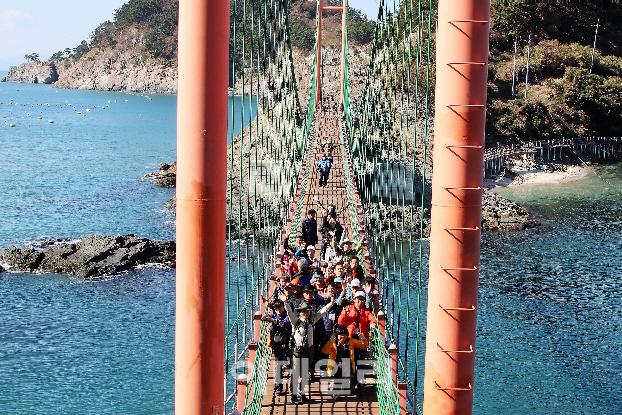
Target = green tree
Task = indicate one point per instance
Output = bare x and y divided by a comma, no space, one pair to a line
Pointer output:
302,36
137,12
360,28
80,50
57,56
103,35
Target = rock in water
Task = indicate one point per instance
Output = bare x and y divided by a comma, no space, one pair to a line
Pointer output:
33,73
93,256
21,259
503,215
169,176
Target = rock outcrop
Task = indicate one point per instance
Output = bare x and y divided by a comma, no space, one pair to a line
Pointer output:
502,215
91,257
118,70
167,177
32,73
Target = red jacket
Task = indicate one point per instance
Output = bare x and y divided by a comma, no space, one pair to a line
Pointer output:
349,317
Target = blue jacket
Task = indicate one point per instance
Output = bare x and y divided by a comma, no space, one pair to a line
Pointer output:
323,166
282,323
308,229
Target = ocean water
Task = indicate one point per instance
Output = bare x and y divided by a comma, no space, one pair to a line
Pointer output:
550,306
549,332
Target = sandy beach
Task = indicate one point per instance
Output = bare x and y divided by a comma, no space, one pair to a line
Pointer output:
540,177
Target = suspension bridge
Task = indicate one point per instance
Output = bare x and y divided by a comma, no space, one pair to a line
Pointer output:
238,202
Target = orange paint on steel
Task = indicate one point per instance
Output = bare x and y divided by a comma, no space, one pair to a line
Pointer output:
462,65
242,383
402,392
201,206
343,46
318,74
393,362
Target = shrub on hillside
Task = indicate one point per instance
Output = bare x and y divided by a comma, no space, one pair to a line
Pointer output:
598,97
360,28
536,118
302,36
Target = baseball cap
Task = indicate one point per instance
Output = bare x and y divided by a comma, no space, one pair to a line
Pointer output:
359,294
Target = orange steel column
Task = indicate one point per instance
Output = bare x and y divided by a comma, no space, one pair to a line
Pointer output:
462,64
343,46
201,206
318,75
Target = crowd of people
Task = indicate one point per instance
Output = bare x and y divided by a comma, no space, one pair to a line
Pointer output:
321,310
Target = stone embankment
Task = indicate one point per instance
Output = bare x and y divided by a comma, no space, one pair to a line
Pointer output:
32,73
91,257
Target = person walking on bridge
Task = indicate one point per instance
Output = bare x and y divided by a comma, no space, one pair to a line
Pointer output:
303,347
323,166
308,229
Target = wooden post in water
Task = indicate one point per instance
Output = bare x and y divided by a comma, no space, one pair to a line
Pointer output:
201,206
462,68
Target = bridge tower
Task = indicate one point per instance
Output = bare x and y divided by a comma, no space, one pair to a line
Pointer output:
462,68
343,8
201,206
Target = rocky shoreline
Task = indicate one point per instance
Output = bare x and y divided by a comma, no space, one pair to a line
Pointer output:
91,257
498,213
32,73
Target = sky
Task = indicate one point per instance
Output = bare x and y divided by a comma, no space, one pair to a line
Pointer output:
47,26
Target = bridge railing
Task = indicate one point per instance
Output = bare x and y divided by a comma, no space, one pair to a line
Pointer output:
499,158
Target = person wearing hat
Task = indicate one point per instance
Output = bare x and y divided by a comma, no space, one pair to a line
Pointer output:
323,166
315,302
345,249
280,332
314,263
303,349
292,294
357,318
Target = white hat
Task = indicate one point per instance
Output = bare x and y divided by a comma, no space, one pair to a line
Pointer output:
359,294
311,247
355,283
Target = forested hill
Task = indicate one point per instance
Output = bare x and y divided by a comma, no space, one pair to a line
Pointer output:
568,94
156,21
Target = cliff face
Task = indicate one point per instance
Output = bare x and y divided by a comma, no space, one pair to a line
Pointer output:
33,73
124,67
118,70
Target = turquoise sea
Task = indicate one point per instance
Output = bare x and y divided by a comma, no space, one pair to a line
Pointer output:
549,332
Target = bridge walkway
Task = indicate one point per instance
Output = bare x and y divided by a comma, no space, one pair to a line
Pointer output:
363,400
